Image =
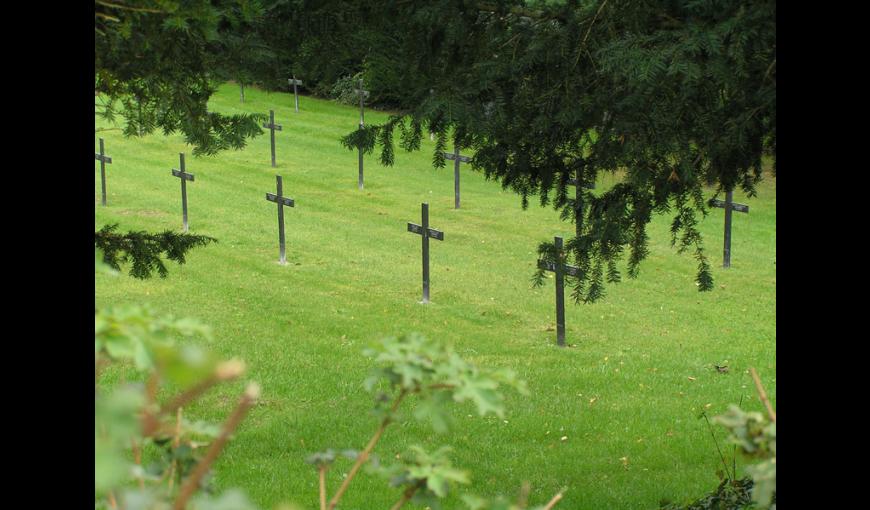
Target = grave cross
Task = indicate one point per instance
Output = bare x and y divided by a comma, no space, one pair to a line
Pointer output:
272,127
103,159
293,81
456,158
281,201
574,181
184,176
729,206
425,232
362,95
561,269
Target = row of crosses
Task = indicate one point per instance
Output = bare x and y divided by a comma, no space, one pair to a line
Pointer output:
560,269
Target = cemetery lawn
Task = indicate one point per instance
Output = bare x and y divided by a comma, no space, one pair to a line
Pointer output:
614,418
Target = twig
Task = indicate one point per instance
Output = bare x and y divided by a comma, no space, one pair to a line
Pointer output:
224,372
583,42
523,499
189,395
175,442
322,473
734,450
127,8
363,457
406,496
710,427
767,72
137,458
553,501
249,397
106,16
762,394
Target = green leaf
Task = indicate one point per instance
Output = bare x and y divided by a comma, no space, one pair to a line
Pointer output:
433,408
233,499
481,391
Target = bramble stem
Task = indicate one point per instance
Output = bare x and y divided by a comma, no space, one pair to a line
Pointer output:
249,397
175,442
364,456
553,501
322,487
762,394
406,496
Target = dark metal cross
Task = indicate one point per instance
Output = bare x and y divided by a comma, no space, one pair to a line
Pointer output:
272,127
425,232
103,159
281,201
729,206
561,269
184,176
456,158
573,182
293,81
362,95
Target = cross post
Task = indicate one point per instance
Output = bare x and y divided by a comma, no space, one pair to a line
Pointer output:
103,159
362,95
561,269
729,206
425,232
578,200
456,158
293,81
184,177
281,201
272,127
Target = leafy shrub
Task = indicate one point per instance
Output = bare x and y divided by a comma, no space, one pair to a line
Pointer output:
345,90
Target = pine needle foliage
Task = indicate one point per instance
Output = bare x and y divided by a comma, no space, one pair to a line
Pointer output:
156,63
144,249
673,96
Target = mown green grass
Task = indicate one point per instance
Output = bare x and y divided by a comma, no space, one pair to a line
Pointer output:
645,354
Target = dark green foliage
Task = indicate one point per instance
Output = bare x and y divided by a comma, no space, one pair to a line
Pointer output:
673,96
364,137
346,90
730,495
240,52
155,65
144,249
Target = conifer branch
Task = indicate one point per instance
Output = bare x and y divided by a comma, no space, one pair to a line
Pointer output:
144,249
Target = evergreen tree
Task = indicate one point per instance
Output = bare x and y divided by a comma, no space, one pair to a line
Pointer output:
154,63
240,52
675,94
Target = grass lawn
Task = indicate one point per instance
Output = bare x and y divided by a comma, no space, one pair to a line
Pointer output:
613,418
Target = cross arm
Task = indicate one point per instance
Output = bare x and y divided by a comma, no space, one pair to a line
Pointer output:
271,197
417,229
182,175
276,127
573,182
451,157
734,206
550,266
295,82
101,157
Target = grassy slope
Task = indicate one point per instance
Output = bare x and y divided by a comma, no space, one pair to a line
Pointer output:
354,276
